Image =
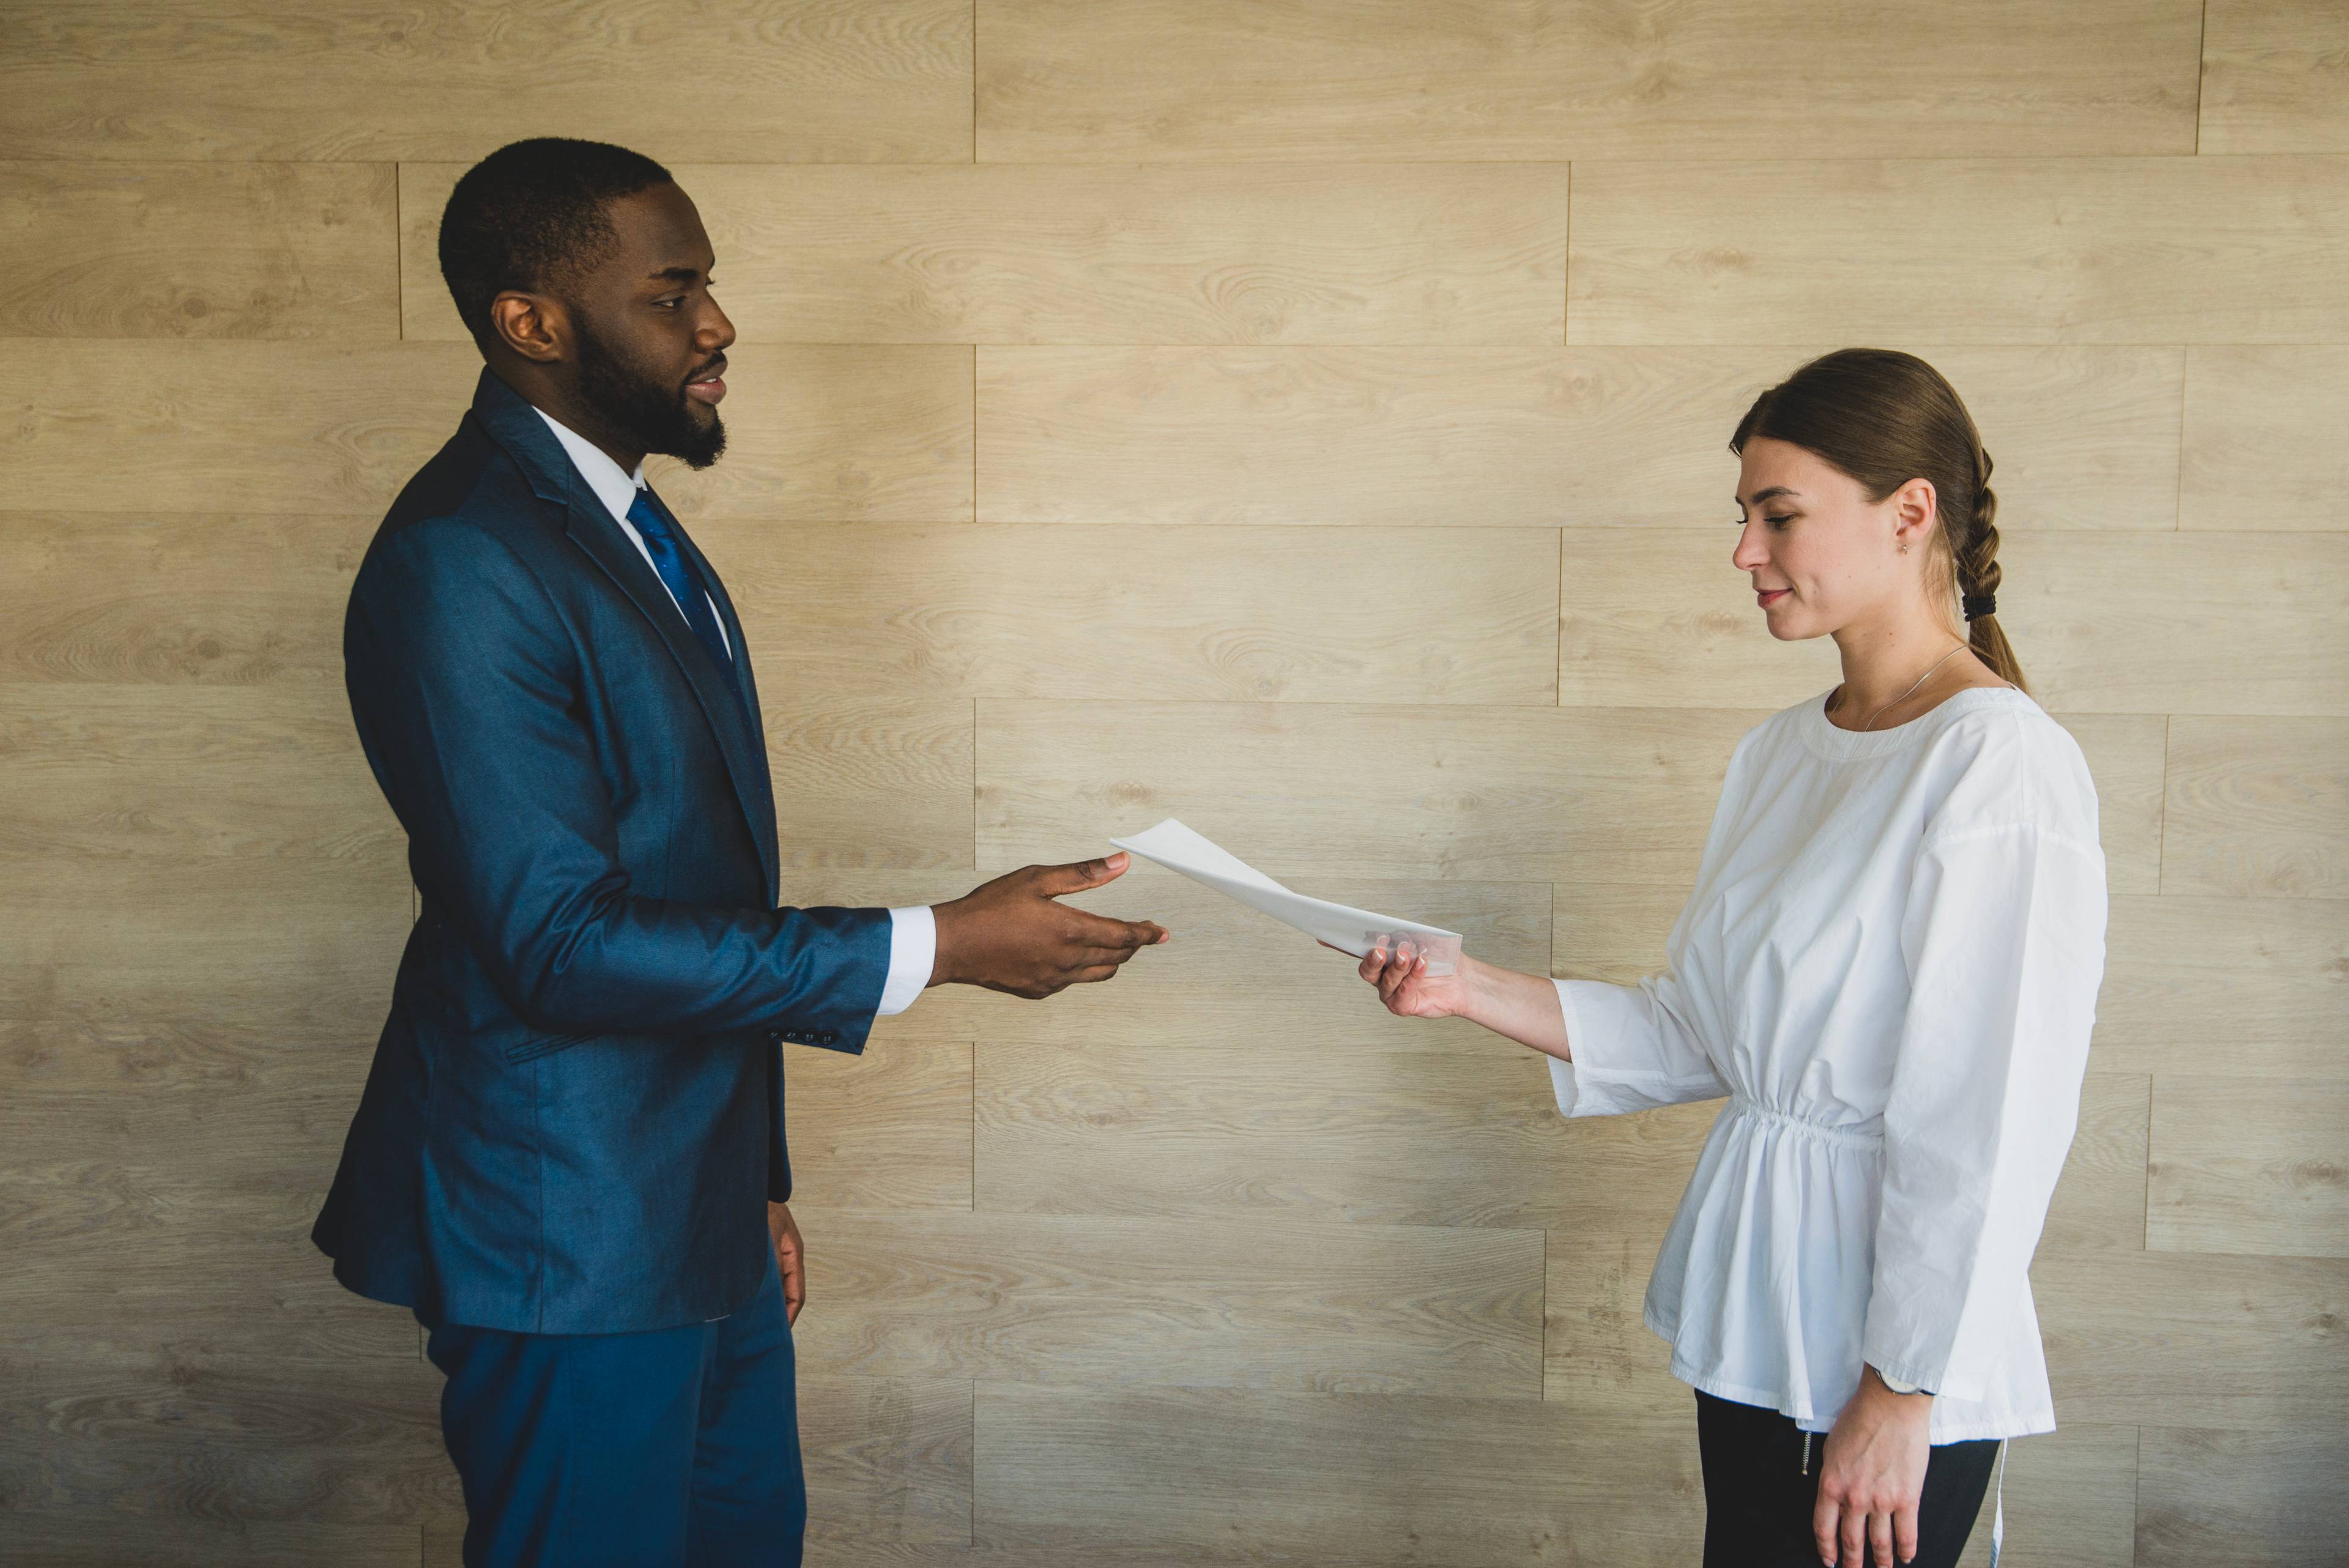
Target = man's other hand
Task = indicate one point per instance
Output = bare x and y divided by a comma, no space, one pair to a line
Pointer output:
790,1259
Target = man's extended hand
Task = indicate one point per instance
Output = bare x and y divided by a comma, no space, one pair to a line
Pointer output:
790,1259
1009,935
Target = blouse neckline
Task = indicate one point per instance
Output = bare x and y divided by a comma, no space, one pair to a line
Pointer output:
1837,744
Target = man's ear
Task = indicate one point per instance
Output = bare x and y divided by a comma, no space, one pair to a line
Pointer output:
534,326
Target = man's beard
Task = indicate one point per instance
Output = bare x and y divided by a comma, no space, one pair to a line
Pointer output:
638,406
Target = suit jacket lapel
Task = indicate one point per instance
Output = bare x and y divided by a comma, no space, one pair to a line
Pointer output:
515,425
762,809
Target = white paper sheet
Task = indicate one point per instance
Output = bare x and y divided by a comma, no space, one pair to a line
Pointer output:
1357,931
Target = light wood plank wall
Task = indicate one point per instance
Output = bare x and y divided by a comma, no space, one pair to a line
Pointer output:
1305,418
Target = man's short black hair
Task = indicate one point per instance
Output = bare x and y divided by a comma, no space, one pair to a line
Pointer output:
531,216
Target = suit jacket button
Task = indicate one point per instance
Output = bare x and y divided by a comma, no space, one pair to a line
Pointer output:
829,1036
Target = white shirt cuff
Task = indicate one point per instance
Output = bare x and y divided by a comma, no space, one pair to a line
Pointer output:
913,953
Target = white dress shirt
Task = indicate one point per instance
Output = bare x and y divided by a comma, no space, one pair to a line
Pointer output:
913,930
1889,965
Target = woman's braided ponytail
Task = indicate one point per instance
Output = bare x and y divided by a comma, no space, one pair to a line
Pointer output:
1975,556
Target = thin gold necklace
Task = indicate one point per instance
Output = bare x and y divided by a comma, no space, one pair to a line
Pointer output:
1872,718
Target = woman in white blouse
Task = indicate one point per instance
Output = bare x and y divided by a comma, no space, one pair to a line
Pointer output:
1889,965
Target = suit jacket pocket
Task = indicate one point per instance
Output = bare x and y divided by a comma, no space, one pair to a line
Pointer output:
539,1045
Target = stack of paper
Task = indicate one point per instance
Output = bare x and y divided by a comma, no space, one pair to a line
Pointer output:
1356,931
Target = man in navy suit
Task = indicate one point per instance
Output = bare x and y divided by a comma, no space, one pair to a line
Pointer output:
569,1156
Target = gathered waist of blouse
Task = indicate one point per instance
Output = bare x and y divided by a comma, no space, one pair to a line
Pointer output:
1868,1135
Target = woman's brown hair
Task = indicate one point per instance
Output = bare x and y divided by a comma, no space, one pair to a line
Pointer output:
1885,417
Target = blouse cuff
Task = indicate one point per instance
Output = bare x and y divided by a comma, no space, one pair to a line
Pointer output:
1593,1085
1943,1378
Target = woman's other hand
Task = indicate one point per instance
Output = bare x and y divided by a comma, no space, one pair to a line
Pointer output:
1870,1476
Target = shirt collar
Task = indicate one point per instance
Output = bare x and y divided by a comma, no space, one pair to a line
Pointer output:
616,490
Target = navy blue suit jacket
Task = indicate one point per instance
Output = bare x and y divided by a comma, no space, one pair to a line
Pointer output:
575,1116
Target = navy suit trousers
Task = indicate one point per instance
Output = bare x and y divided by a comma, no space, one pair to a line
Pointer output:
675,1447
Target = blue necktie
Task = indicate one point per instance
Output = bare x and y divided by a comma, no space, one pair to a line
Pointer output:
676,569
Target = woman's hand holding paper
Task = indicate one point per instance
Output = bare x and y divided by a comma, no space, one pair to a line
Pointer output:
1399,969
1523,1007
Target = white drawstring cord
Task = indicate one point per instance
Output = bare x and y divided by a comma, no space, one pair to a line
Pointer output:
1998,1512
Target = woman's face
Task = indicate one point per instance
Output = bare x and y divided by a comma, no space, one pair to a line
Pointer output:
1822,557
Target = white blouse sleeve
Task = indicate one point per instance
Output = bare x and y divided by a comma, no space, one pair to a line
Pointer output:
1635,1047
1638,1046
2004,937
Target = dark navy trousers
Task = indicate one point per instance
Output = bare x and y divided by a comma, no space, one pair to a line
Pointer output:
678,1448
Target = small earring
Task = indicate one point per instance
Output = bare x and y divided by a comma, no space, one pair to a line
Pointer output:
1904,546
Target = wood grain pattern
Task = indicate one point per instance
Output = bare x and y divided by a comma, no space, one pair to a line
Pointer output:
1404,254
1033,1298
888,1460
56,1540
130,1222
2064,250
209,80
268,776
2252,986
2103,623
149,598
2100,1200
1608,795
220,973
2084,437
2240,1499
181,249
2271,78
157,426
2258,451
2136,1337
209,427
1599,1359
1069,82
280,1137
2071,1497
1303,791
115,1257
1392,1136
1209,613
2257,807
890,1128
258,1439
1263,1476
868,782
2258,1166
